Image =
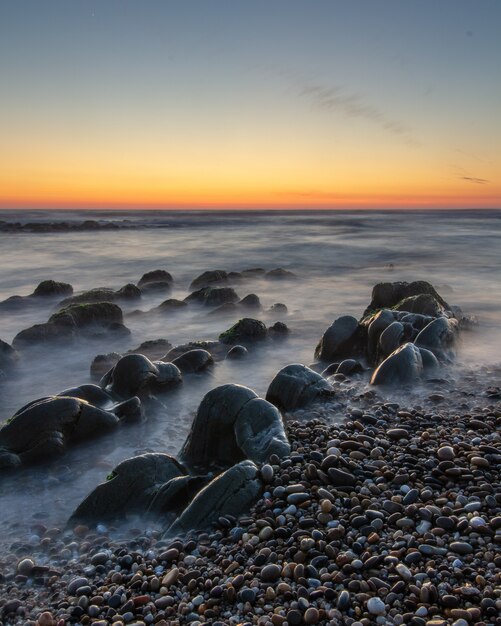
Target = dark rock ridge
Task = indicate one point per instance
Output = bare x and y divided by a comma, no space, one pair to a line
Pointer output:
42,429
8,357
406,332
104,294
90,319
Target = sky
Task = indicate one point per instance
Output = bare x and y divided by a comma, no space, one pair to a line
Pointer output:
261,104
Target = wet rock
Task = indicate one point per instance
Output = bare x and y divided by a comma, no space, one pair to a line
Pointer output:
423,304
102,363
194,361
390,339
136,375
246,331
213,296
250,301
280,274
42,429
340,340
170,305
155,277
83,315
209,278
278,330
8,356
230,494
237,352
440,337
279,308
132,487
349,367
153,348
103,294
296,386
405,365
376,324
389,295
232,423
217,349
51,288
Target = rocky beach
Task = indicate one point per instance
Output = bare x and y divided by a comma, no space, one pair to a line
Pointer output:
276,461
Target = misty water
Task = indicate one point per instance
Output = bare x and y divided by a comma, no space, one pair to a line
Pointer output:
337,258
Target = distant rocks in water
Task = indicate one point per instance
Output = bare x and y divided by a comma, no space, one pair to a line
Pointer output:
280,274
296,386
278,330
102,363
42,429
63,227
237,352
245,331
232,423
103,294
209,279
217,350
136,375
46,290
278,307
91,320
407,330
250,301
154,349
156,280
213,296
51,288
194,361
170,305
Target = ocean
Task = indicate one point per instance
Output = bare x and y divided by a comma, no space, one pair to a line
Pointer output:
336,256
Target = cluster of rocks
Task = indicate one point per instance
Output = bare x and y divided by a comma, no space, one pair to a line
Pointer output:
62,227
392,517
406,333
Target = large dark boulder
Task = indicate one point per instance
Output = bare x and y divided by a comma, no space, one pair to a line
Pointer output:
42,429
130,488
423,304
246,331
194,361
42,333
210,278
103,294
232,493
213,296
295,386
91,314
170,306
250,301
390,339
155,276
51,288
342,339
403,366
389,295
136,375
440,337
232,423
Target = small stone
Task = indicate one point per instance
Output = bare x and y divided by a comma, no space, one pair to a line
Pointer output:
267,473
446,453
376,606
46,619
461,547
311,615
25,567
404,571
76,583
270,573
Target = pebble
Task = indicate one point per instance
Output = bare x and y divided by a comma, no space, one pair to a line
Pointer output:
376,606
270,573
267,473
446,453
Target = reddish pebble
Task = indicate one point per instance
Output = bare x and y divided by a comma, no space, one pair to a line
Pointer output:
140,600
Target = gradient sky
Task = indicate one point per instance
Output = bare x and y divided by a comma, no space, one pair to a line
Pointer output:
266,103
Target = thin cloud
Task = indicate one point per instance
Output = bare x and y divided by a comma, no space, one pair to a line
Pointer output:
353,105
473,179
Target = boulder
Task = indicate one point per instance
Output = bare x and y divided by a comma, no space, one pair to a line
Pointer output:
213,296
136,375
251,301
43,429
155,276
388,295
341,339
423,304
280,274
51,288
194,361
245,331
153,348
375,325
210,278
170,305
390,339
278,307
439,336
232,493
233,424
237,352
103,294
42,333
130,488
404,365
217,350
92,314
102,363
278,330
349,367
295,386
